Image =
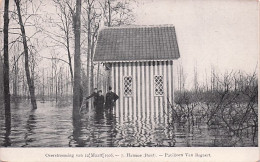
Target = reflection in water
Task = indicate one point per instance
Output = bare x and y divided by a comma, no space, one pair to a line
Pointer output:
111,133
77,133
99,115
7,129
52,126
7,141
30,127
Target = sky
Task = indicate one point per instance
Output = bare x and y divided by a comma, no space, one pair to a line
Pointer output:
220,33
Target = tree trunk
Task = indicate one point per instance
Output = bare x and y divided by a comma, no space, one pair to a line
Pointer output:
92,76
89,51
26,56
87,77
69,56
109,25
92,64
77,63
51,85
98,68
109,13
56,84
43,86
6,69
15,81
1,80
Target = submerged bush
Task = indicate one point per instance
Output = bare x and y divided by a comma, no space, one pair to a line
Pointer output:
232,106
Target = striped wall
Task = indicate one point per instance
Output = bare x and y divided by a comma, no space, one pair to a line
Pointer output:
143,102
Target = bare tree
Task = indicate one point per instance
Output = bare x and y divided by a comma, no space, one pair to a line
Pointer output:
90,26
195,71
30,81
77,62
43,86
6,68
181,78
1,80
117,12
15,79
64,24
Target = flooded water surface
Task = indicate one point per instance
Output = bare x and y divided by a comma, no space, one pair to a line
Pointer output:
51,126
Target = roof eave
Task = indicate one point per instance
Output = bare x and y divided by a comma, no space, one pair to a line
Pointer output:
114,61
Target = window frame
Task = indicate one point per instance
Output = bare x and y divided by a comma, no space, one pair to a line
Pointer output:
154,86
132,86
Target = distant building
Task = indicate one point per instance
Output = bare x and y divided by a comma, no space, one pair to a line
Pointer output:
139,63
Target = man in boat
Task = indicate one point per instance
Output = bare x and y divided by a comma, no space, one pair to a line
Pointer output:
95,95
111,98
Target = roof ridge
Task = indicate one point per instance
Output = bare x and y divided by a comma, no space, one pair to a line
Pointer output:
138,26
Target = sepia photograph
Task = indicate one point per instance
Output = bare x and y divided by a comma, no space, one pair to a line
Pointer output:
129,73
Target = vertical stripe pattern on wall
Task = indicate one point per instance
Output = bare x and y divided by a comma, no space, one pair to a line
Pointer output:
116,87
143,100
148,85
124,99
134,88
172,81
120,87
151,89
169,81
138,96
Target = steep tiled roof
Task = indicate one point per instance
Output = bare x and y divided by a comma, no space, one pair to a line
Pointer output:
136,44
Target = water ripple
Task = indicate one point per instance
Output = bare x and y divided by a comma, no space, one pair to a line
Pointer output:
51,126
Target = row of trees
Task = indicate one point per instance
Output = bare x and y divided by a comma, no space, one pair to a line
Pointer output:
52,52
